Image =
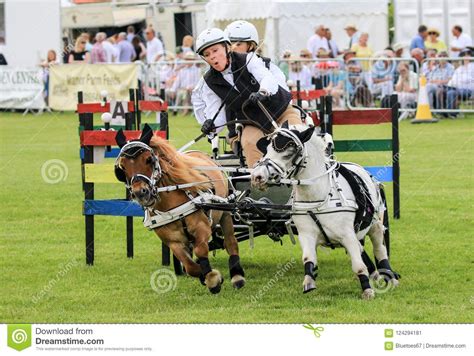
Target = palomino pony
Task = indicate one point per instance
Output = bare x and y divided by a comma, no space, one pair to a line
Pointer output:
150,164
329,209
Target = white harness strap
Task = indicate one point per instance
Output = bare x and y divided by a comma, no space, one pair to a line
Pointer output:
155,218
324,206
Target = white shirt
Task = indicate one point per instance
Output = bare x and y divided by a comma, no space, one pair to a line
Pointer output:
187,78
463,77
304,76
412,80
206,102
316,42
109,51
153,48
462,42
166,72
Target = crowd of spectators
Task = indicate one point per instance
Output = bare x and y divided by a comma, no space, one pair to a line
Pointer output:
175,71
369,77
354,68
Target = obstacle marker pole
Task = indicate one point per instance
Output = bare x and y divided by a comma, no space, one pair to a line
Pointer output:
137,99
318,85
129,125
165,250
328,114
298,93
394,105
87,121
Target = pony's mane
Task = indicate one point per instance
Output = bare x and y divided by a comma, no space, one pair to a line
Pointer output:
178,166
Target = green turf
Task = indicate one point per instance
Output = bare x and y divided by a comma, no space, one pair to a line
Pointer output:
44,277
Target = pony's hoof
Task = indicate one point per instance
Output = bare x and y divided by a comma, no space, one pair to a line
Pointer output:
213,281
309,284
216,289
308,288
394,282
238,281
368,294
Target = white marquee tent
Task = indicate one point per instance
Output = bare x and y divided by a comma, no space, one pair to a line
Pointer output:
287,24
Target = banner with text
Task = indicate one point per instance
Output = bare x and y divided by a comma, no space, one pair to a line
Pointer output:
21,88
92,79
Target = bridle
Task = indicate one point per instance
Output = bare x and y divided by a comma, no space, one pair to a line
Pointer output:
132,150
299,158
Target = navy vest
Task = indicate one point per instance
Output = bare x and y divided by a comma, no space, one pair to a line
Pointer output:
246,84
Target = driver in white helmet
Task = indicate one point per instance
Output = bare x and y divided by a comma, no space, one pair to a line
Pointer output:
244,38
233,79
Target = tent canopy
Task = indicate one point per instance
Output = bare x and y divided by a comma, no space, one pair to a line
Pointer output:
287,24
219,10
100,15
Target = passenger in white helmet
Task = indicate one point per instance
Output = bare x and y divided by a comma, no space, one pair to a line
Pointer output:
244,38
233,79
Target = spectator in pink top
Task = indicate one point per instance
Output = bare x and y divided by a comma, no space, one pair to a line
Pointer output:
98,54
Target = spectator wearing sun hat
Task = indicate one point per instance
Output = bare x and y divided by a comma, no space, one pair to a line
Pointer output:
398,49
353,34
433,41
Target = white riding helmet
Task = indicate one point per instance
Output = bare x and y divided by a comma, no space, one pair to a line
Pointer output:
210,37
242,31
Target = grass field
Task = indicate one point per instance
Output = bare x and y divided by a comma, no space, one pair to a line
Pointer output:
44,278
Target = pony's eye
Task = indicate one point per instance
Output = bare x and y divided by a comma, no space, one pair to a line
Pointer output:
149,160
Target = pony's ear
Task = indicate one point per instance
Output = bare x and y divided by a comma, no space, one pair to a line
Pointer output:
147,134
285,125
120,175
262,145
120,138
306,134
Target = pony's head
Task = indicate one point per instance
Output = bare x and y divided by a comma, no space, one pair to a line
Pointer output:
138,167
151,161
285,153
